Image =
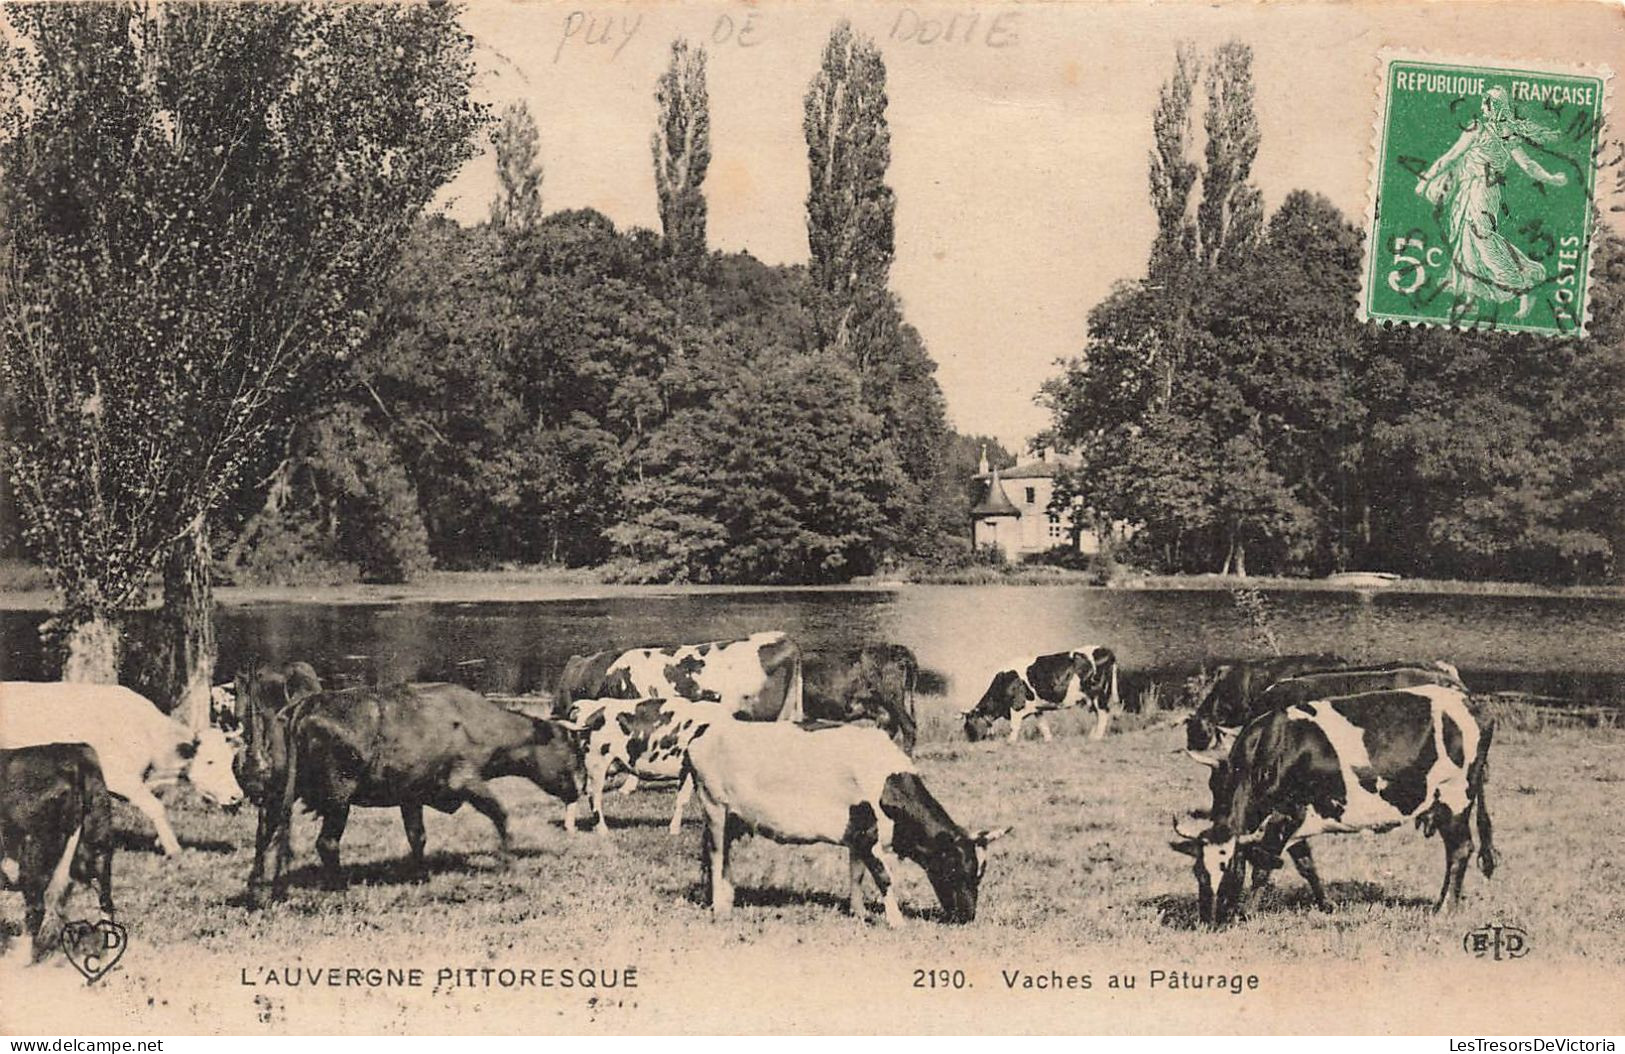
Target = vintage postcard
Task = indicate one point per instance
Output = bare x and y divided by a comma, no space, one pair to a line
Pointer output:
531,518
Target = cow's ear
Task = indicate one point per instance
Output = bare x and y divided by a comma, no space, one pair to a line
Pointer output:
625,721
188,749
1189,846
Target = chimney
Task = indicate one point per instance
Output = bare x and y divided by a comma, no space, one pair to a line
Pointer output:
981,466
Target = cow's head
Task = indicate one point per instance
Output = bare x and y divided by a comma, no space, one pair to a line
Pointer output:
261,693
553,759
207,765
1007,692
1220,858
1097,675
955,862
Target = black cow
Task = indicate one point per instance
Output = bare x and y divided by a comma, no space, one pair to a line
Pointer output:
875,684
1355,763
1085,676
1230,699
404,746
56,828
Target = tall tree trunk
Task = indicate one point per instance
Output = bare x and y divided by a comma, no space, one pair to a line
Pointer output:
92,651
189,622
1240,551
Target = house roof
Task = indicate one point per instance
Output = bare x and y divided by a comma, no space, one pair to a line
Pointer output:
1031,470
996,503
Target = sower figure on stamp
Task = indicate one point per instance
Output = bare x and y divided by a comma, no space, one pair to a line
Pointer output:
1465,187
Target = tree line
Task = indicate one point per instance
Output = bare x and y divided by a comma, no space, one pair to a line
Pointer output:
239,339
1230,407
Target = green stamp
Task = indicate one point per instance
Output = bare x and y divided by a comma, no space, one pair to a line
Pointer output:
1481,208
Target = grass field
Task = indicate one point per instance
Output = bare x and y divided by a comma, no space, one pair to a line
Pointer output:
1085,884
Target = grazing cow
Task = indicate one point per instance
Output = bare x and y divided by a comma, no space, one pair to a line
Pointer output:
404,746
842,785
1085,676
874,684
1231,696
757,677
1352,763
56,828
139,747
1354,681
647,738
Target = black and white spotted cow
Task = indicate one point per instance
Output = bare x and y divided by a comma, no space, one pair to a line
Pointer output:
757,677
838,784
1085,676
1367,762
644,738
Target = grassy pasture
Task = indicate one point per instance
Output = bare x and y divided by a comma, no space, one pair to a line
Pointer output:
1085,884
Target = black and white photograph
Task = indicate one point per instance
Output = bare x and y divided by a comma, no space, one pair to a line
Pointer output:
811,518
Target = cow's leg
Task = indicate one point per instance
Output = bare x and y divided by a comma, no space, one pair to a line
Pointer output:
1015,726
416,838
882,866
685,790
1103,717
858,865
479,795
598,766
264,837
1304,861
153,810
104,881
629,785
1044,729
1458,851
714,853
327,844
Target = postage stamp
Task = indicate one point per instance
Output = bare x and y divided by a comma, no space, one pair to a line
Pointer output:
1482,195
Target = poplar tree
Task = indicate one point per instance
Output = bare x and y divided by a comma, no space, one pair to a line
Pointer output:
849,206
681,146
518,204
1231,216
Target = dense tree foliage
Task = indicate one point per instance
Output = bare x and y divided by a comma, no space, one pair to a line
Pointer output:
201,202
1231,408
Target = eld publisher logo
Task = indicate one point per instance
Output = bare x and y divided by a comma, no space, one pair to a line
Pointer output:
1497,942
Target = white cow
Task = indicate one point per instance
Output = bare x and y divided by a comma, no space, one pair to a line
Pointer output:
843,785
139,747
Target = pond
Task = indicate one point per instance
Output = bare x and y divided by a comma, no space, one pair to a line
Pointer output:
1570,647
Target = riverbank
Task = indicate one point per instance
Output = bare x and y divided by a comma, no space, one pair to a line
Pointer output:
537,584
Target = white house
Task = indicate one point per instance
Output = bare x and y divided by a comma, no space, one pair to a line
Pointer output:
1014,512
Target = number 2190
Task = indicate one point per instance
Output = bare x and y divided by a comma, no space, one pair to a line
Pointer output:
940,979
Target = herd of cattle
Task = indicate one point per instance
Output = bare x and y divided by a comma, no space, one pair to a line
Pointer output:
795,749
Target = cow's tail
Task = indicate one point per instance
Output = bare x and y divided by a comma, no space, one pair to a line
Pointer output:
56,892
1481,809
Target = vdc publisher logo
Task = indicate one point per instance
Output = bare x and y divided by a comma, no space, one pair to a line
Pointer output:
1496,942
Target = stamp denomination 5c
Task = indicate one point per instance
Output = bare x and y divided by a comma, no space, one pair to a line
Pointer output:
1481,211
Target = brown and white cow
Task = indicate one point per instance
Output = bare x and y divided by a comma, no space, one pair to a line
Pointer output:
1367,762
1085,676
842,785
757,677
644,738
138,746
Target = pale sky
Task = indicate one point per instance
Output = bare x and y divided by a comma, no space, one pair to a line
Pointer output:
1020,170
